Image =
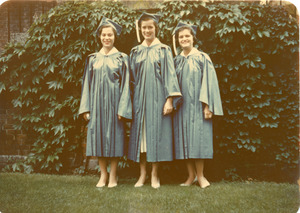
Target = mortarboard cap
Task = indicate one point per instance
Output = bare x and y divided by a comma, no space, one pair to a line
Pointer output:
107,21
181,24
155,17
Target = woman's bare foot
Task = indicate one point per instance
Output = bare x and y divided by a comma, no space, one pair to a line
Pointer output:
102,181
155,183
141,181
203,182
189,181
113,181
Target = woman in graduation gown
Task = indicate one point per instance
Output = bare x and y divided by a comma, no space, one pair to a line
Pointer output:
105,101
193,130
155,92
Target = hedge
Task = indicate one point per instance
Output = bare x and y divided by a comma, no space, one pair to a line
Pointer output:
254,49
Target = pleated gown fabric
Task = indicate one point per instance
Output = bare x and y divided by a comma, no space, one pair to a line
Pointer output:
193,135
106,94
153,80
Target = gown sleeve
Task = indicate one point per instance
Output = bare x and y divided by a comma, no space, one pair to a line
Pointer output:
209,91
85,91
125,106
132,76
176,62
169,77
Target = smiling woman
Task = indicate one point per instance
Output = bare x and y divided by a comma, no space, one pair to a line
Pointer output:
193,120
186,39
155,88
105,101
107,38
149,29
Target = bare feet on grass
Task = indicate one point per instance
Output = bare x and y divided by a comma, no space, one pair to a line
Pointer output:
102,181
155,183
141,181
113,181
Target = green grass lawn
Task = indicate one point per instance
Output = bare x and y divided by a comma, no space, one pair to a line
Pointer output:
54,193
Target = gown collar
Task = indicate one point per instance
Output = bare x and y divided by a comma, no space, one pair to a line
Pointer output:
112,51
154,42
193,51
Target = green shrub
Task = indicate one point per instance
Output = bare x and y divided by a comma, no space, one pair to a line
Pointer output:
254,49
44,77
255,52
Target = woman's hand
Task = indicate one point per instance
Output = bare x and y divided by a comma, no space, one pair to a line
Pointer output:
119,117
207,112
86,116
168,107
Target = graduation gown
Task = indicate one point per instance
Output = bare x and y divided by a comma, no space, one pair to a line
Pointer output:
153,80
106,94
193,135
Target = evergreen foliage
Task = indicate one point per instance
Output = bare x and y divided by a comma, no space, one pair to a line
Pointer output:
254,49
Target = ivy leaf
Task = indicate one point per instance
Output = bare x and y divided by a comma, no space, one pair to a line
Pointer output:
266,33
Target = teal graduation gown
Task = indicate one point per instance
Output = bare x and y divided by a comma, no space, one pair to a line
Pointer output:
193,135
106,94
153,80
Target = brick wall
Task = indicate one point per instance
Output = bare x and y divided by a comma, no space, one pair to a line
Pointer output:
12,141
16,18
3,26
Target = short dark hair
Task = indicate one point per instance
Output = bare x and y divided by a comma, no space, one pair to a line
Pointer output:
106,26
100,31
155,24
185,28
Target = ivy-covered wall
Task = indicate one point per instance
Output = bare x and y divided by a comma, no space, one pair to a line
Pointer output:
254,49
255,52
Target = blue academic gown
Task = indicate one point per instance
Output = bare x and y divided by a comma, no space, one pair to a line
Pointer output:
153,80
106,94
193,135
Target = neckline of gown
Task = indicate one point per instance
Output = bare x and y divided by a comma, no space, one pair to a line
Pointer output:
193,52
148,47
108,54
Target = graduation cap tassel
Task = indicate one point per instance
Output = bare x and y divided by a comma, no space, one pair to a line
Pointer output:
174,45
137,30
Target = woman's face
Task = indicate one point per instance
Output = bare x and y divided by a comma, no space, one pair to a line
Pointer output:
185,39
107,37
148,30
